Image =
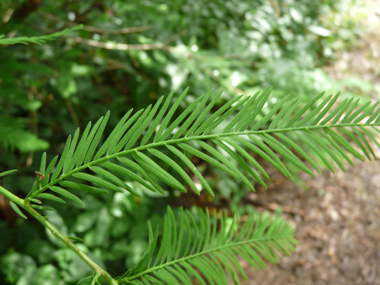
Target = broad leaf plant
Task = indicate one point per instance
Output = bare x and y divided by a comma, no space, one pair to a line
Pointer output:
154,148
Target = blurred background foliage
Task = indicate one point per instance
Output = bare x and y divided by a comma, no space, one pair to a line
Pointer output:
127,55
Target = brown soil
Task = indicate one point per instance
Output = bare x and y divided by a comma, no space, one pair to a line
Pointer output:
338,227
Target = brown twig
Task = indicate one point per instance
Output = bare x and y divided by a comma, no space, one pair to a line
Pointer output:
33,125
174,37
120,46
284,208
96,4
114,64
95,29
71,110
252,200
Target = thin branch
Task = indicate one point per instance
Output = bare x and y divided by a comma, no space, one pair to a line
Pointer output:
95,29
114,64
96,4
120,46
71,110
174,37
58,235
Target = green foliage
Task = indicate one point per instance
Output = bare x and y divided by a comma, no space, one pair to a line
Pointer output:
135,150
47,91
256,44
195,245
132,150
14,136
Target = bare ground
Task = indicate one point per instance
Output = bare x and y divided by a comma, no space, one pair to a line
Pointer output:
338,226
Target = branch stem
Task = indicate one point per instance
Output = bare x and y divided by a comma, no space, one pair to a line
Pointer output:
21,202
125,152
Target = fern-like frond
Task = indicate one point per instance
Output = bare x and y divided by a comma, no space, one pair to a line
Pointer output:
153,149
13,135
37,40
206,247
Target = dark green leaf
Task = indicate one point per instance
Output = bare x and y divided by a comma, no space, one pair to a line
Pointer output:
66,194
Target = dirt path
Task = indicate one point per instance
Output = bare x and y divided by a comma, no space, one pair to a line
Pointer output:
338,227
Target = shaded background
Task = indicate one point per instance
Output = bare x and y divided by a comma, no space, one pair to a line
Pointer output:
128,55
